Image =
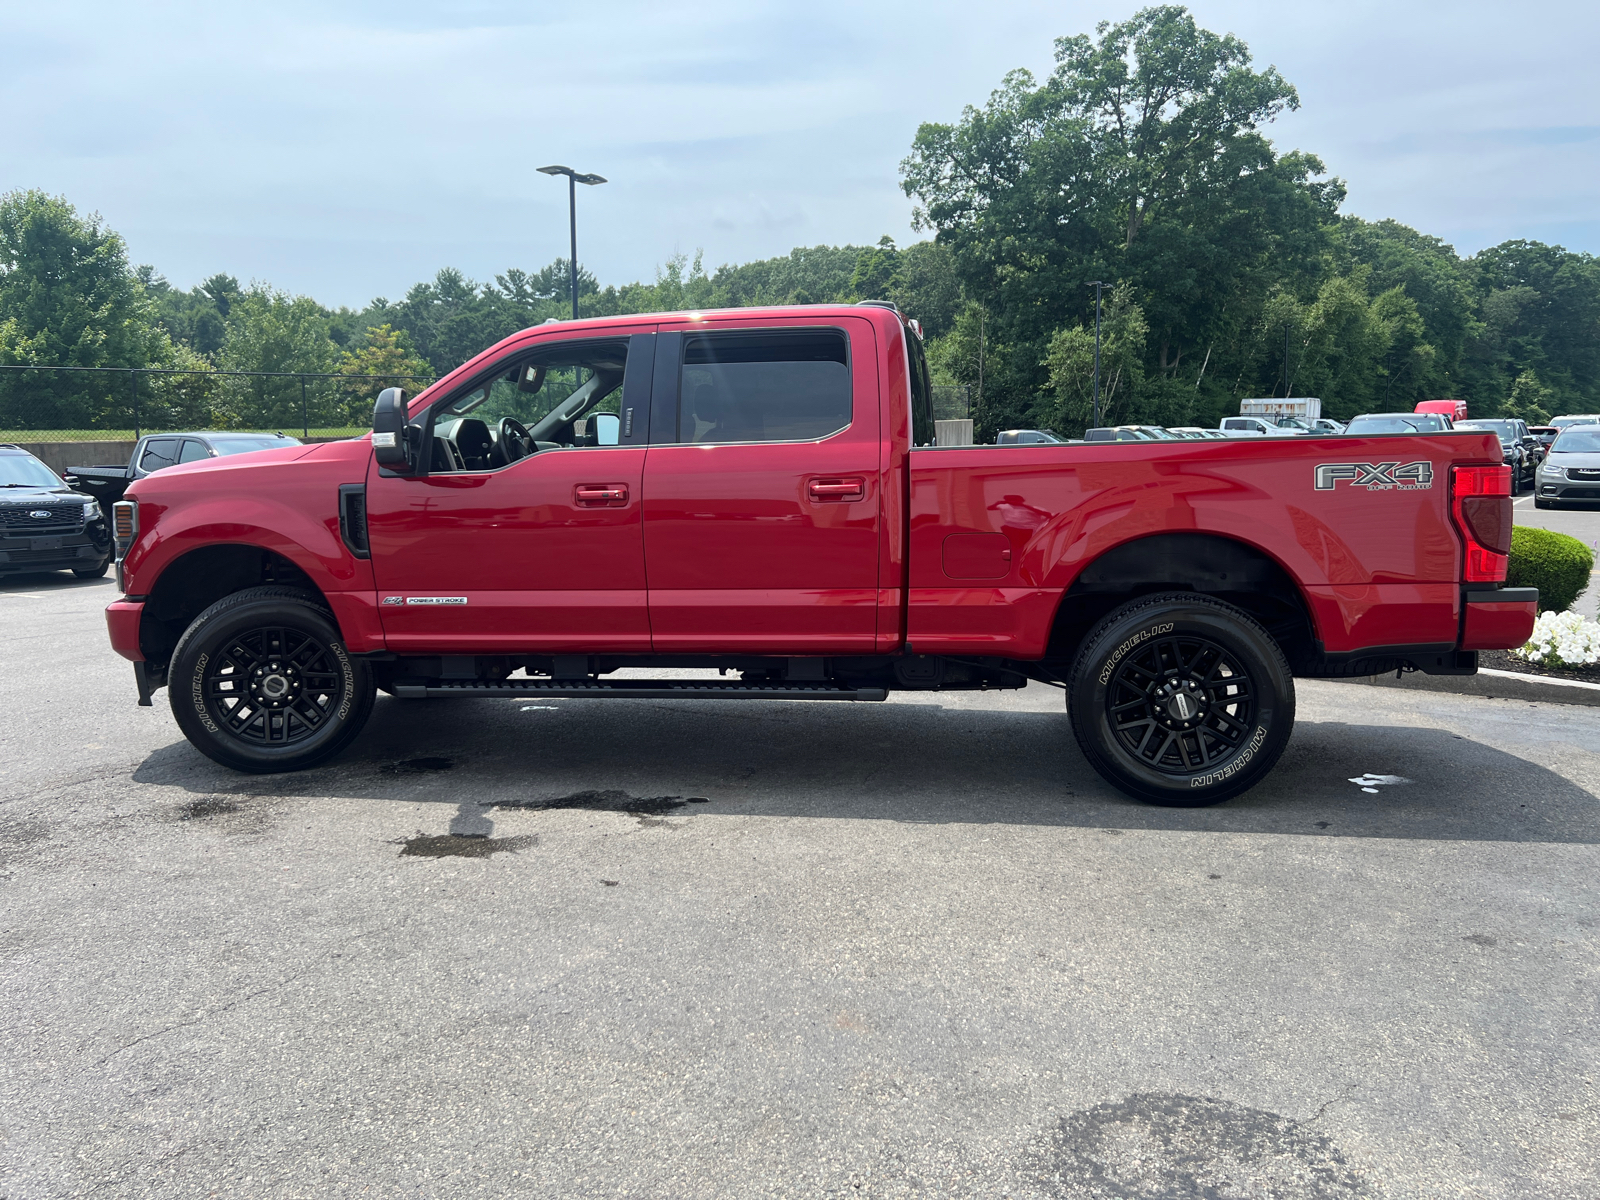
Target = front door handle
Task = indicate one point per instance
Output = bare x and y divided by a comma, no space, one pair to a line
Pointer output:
851,488
601,495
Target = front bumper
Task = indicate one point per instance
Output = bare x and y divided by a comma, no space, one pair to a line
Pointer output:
122,621
1567,489
19,554
1498,619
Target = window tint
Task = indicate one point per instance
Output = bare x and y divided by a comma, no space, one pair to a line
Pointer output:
193,451
158,453
766,387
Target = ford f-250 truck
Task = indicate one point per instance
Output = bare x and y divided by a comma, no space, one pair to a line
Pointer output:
756,493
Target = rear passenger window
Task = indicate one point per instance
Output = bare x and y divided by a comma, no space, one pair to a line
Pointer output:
774,386
159,453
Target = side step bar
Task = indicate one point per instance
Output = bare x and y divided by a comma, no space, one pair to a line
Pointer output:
640,689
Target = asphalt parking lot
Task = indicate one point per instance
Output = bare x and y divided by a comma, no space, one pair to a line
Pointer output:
717,950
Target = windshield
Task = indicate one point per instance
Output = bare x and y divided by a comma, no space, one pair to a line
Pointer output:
23,470
1579,440
1564,422
1413,423
245,445
1505,429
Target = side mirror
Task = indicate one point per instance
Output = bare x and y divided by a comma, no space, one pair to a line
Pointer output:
390,445
607,429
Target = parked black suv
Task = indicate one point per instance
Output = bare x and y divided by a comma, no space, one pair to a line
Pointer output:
44,524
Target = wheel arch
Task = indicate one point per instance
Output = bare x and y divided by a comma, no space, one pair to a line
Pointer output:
1227,568
198,578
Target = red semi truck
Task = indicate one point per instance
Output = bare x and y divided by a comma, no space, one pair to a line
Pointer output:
756,493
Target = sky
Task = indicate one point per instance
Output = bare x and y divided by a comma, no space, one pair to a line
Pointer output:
349,150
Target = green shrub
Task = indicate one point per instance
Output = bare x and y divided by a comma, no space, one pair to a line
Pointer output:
1554,563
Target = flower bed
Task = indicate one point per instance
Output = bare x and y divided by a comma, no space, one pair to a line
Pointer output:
1564,644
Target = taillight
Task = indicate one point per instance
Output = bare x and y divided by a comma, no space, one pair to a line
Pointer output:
124,524
1481,501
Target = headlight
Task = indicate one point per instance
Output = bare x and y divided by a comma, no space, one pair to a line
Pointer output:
91,511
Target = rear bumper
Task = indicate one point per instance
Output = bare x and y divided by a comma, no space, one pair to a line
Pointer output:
122,621
1498,620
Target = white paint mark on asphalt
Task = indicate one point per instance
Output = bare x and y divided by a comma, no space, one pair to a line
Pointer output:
1371,783
540,708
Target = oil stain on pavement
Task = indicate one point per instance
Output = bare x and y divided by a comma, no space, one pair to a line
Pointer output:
1165,1146
463,845
609,801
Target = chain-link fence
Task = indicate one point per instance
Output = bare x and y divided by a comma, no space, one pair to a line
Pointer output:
64,404
951,402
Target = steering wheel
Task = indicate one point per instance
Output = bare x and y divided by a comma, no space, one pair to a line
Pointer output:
515,441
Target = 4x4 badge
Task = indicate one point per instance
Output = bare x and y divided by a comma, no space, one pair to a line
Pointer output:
1376,477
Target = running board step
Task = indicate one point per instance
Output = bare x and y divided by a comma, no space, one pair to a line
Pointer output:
640,689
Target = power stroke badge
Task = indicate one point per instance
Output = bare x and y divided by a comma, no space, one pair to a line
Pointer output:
1376,477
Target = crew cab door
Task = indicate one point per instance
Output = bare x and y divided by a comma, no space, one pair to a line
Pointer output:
499,550
763,496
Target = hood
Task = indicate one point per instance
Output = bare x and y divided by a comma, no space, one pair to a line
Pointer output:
34,496
1587,460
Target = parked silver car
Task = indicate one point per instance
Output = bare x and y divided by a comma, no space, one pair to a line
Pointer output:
1571,471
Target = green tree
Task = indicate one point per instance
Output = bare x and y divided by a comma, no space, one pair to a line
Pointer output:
272,331
1070,361
386,353
68,298
1140,160
1529,400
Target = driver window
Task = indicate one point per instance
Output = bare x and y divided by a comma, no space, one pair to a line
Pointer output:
564,396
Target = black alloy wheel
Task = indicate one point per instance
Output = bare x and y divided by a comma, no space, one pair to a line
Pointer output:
1181,699
261,681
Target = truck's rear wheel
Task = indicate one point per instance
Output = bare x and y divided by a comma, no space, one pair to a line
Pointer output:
1181,699
261,681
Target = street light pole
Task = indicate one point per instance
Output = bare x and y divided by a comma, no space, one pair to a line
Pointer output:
574,178
1097,286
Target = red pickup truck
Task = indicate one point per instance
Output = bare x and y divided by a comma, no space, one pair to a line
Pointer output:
756,493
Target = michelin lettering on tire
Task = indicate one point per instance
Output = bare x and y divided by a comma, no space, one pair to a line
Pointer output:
1235,765
349,680
1144,635
197,690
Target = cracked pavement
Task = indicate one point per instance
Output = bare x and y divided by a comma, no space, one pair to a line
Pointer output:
704,949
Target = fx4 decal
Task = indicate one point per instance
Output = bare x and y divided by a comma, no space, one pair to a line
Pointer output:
1376,477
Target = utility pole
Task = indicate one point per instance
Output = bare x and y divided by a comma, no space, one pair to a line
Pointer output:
981,315
1097,285
574,178
1286,360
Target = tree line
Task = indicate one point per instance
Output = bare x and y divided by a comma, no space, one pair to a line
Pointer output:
1226,267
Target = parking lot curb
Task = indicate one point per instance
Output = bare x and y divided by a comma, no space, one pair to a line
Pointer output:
1496,685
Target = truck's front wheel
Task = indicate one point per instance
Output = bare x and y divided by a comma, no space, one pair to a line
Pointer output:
261,681
1181,699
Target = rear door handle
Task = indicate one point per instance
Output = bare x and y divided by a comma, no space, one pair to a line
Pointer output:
601,495
851,488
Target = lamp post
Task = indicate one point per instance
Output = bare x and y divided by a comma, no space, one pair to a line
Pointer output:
574,178
1097,285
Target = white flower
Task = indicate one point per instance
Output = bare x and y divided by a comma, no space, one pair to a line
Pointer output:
1563,639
